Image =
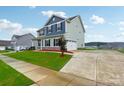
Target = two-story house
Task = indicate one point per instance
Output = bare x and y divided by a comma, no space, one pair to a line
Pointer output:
71,28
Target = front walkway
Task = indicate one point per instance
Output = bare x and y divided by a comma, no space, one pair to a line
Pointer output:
43,76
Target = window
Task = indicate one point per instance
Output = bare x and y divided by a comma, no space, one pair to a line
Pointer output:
56,42
49,29
58,26
47,42
45,30
39,42
53,19
41,33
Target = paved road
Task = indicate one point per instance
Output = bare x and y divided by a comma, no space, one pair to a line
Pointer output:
102,66
43,76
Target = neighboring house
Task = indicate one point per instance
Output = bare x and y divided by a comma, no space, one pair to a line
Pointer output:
20,42
4,44
71,28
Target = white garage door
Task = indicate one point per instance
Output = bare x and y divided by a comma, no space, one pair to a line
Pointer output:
71,45
2,47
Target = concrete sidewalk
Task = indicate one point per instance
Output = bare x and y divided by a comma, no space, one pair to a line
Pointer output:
43,76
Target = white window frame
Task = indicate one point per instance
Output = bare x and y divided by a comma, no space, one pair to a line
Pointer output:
49,42
59,26
55,42
49,29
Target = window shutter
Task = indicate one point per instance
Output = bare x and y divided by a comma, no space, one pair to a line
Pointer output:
56,27
61,25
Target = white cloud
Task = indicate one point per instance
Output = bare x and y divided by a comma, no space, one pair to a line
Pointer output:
14,28
121,28
29,30
85,26
120,34
119,37
50,13
121,23
110,23
97,19
9,26
96,36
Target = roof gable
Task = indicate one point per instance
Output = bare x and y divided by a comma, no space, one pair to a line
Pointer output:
19,36
54,19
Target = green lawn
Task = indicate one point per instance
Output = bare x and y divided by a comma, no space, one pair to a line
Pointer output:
4,51
45,59
121,50
10,77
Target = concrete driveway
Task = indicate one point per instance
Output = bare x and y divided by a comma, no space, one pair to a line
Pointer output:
105,67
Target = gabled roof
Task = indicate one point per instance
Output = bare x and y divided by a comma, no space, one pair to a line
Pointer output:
16,36
5,43
52,17
71,18
19,36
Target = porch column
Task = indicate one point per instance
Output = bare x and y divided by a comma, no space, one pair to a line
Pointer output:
41,44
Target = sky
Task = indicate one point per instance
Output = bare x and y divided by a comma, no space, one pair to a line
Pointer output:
102,24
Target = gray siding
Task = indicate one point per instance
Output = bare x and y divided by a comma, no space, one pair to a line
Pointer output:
24,40
75,32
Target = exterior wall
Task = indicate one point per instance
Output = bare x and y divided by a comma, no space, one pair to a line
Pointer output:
2,47
75,32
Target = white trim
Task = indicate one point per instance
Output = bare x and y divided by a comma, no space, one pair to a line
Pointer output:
65,26
55,23
49,29
59,23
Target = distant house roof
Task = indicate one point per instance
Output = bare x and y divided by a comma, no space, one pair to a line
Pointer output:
5,43
18,36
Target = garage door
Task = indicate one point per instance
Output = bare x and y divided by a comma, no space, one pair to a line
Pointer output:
71,46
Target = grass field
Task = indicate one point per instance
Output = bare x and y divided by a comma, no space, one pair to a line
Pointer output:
121,50
46,59
10,77
4,51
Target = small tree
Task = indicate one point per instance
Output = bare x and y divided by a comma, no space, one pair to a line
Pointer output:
62,44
